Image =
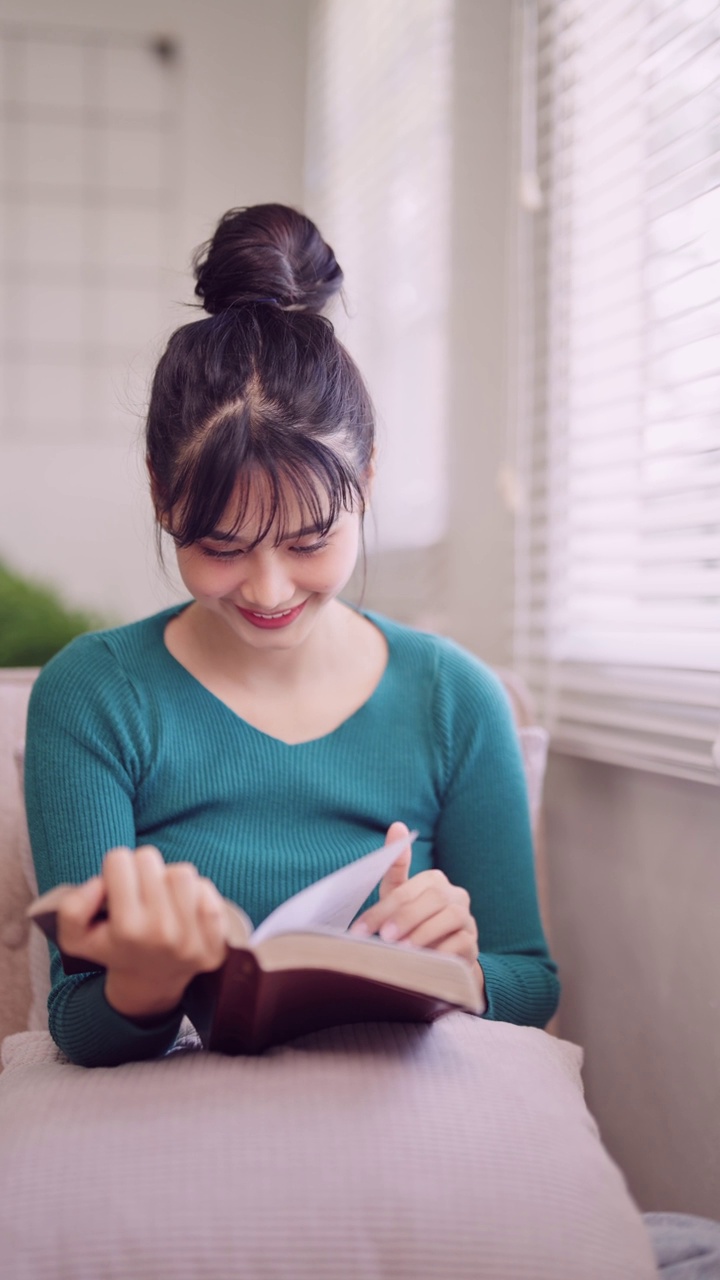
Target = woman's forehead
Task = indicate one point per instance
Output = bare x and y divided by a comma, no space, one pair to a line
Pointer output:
259,510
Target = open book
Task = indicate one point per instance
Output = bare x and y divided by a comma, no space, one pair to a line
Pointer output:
300,970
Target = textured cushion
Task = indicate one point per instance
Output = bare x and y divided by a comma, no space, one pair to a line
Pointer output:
460,1150
15,891
38,956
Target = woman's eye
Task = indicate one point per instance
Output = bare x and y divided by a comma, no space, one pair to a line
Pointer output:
309,550
221,555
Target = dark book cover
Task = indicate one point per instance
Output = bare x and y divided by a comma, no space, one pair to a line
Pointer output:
242,1008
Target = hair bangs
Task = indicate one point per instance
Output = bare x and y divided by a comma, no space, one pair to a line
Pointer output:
206,477
301,487
279,481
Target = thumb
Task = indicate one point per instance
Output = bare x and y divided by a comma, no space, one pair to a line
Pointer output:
94,896
76,912
399,871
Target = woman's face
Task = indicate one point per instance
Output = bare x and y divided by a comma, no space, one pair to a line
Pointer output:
271,596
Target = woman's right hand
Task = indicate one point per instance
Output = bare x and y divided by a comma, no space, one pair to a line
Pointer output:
165,924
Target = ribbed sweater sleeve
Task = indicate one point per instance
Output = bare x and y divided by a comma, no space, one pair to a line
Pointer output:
83,763
483,837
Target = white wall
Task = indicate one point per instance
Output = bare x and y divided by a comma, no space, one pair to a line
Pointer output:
635,894
79,515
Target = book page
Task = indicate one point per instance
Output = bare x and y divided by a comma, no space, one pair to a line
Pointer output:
334,901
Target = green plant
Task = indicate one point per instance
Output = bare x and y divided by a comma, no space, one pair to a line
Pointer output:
34,623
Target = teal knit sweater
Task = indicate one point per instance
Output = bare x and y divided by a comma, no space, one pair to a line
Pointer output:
125,747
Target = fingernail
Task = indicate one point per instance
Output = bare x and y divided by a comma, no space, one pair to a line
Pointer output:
389,931
360,930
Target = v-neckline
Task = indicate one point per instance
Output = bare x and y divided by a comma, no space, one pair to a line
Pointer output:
168,614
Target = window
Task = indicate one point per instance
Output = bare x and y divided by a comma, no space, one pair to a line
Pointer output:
617,613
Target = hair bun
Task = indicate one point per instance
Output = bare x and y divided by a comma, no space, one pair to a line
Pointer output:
269,253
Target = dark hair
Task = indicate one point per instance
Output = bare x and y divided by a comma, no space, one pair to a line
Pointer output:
261,387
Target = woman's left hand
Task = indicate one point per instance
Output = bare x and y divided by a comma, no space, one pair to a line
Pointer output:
426,911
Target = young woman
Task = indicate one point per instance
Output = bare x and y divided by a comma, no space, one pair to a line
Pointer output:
262,734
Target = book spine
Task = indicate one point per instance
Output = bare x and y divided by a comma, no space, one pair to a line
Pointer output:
234,1016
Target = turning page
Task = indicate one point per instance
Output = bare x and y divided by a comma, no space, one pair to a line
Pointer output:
334,901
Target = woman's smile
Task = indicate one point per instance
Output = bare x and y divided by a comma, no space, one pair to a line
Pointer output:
272,620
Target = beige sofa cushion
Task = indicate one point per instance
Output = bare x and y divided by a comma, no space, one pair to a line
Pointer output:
461,1150
37,955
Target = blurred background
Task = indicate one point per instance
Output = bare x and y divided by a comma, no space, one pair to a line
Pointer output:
525,198
123,144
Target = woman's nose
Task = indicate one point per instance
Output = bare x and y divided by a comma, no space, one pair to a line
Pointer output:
266,585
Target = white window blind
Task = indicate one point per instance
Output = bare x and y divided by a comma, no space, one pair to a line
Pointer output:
617,617
378,184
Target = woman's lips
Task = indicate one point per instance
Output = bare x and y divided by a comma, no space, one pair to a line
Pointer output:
271,621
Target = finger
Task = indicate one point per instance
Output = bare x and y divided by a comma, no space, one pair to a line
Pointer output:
412,914
150,868
211,924
124,905
460,945
211,901
81,903
80,932
183,888
372,920
399,872
450,920
158,908
382,912
200,918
